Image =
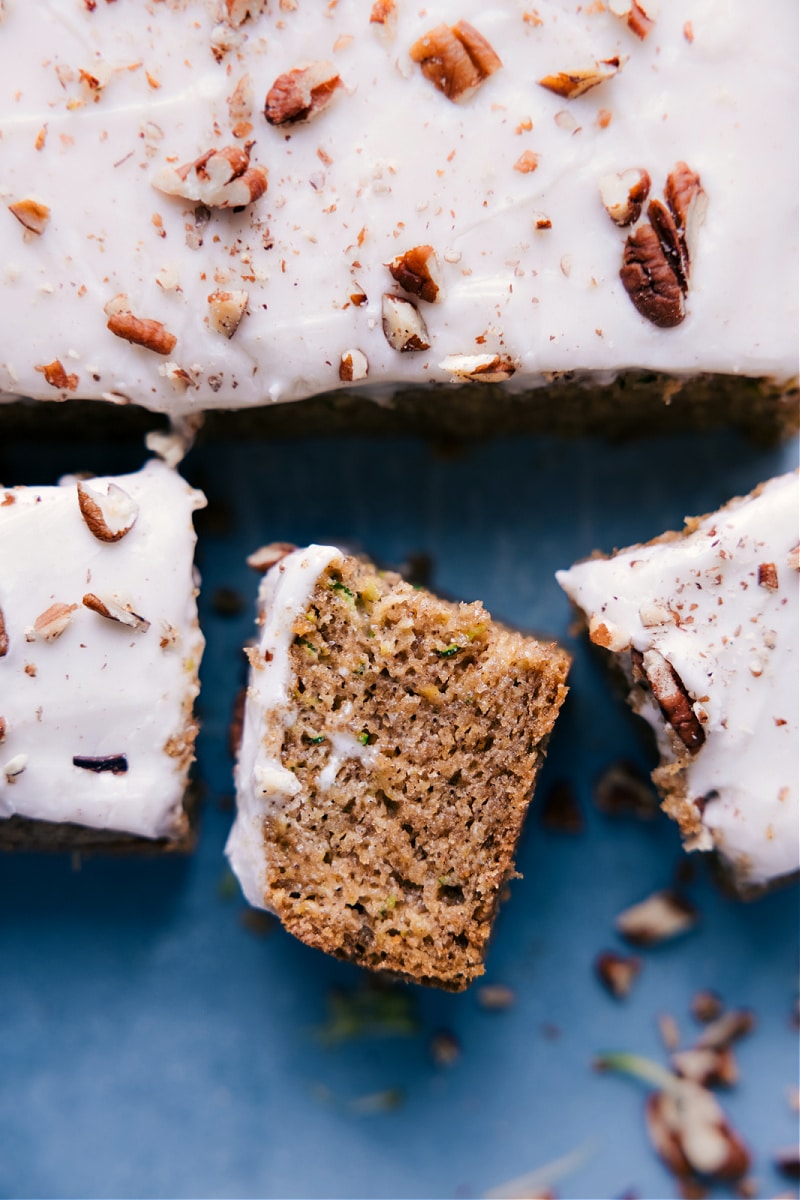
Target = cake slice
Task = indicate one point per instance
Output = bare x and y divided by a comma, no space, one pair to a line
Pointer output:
704,627
99,655
391,743
471,210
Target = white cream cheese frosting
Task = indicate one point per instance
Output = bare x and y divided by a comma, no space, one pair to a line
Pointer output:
99,651
285,297
717,608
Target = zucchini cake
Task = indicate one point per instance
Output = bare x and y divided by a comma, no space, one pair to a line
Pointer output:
556,215
390,746
99,654
704,627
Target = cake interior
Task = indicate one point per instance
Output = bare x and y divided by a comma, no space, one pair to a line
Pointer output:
420,729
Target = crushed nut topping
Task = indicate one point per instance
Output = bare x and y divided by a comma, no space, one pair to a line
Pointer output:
140,331
635,14
267,556
617,972
301,94
237,11
661,916
110,608
50,624
110,515
403,325
384,14
353,366
417,271
219,179
673,699
479,368
226,310
605,633
624,194
456,59
115,764
3,636
32,214
14,767
57,377
571,84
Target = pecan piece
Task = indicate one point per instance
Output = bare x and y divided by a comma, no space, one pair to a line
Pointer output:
638,19
50,624
384,14
673,698
219,179
237,11
108,516
691,1133
650,280
117,764
571,84
226,310
617,972
403,326
267,556
687,202
3,636
662,916
768,576
478,368
14,767
353,366
417,271
57,377
111,609
140,331
456,59
671,241
30,213
624,194
302,93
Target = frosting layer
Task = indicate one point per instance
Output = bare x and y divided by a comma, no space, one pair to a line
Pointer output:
708,623
233,295
99,651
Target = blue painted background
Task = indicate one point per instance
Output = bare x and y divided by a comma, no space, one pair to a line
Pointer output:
152,1044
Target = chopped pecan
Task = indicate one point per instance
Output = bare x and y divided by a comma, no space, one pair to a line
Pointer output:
226,310
617,972
219,179
384,14
50,624
661,916
237,11
57,377
403,326
31,213
3,636
706,1006
14,768
456,59
571,84
265,557
728,1027
768,576
108,516
624,194
116,764
707,1065
479,368
673,698
637,17
691,1134
353,366
417,271
111,609
650,280
3,729
142,331
302,93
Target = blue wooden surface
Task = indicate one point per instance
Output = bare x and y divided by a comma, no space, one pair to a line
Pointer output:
151,1044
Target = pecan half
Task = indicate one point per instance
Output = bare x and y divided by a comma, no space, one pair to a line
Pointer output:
650,280
456,59
624,194
30,213
301,94
219,179
57,377
571,84
417,271
403,326
108,516
673,698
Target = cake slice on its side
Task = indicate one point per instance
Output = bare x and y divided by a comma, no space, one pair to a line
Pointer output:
704,626
391,743
99,654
